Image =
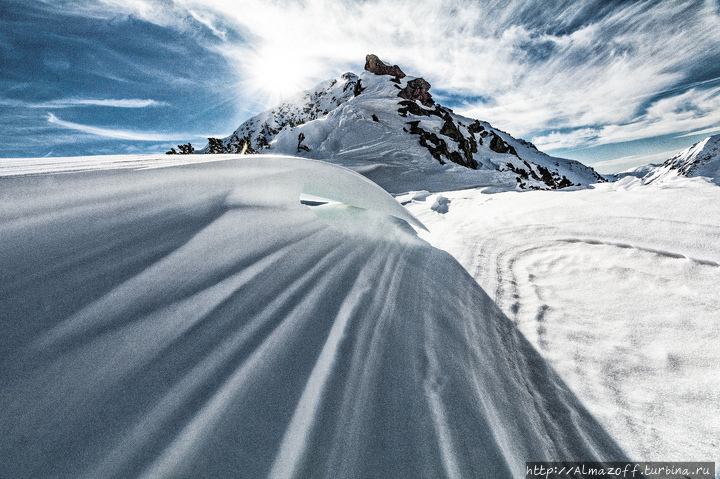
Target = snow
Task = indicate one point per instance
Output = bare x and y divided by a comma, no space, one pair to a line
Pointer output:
369,134
35,166
617,287
637,172
199,321
700,160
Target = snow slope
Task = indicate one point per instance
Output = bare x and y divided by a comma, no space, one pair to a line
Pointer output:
617,287
361,123
701,159
199,321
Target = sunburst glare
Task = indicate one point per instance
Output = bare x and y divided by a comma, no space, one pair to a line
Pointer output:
276,72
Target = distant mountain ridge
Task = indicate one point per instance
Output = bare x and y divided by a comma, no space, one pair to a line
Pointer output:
637,172
701,159
387,126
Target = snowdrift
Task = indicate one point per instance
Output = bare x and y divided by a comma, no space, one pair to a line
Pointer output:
199,321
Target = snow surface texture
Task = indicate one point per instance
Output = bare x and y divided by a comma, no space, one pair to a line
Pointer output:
35,166
361,123
617,287
701,159
199,321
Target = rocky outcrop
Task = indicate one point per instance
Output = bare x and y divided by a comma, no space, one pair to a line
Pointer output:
413,108
358,88
499,145
550,178
468,146
374,65
417,89
438,147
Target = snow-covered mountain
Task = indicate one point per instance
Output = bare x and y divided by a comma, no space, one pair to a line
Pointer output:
701,159
386,126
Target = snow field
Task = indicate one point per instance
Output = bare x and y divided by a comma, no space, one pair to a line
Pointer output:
617,288
198,321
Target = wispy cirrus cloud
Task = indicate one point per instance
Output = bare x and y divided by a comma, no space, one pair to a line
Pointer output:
81,102
113,133
562,66
691,111
707,131
566,73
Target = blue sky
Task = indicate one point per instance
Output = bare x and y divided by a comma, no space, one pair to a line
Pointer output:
611,83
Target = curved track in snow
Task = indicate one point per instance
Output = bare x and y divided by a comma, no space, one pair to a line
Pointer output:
198,321
617,288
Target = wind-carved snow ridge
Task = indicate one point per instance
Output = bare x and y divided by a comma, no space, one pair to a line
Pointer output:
199,321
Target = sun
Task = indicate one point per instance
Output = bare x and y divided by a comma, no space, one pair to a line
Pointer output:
275,73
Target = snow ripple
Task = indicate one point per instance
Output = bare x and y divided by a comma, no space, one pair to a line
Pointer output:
200,322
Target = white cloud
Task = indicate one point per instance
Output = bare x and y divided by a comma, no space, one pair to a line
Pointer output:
597,75
112,133
545,67
691,111
707,131
78,102
81,102
126,103
557,140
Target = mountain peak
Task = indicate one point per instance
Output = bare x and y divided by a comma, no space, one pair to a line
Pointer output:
701,159
386,126
374,65
417,89
694,161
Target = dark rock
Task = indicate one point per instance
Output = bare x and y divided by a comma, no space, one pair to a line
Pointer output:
300,146
234,145
467,145
564,183
546,176
532,172
499,145
374,65
407,106
552,179
350,81
474,143
518,171
476,127
530,145
450,129
438,147
374,117
358,88
417,89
